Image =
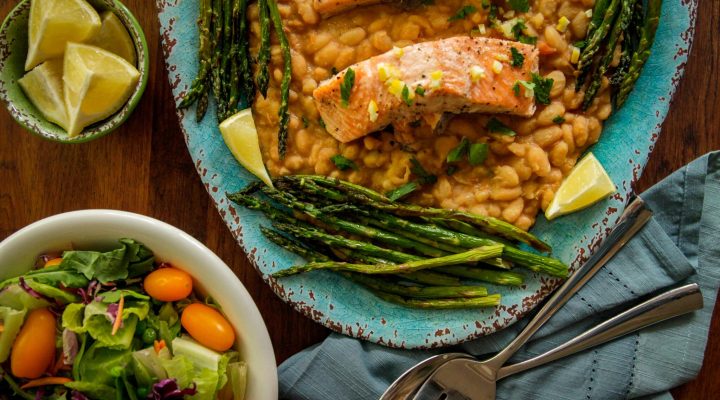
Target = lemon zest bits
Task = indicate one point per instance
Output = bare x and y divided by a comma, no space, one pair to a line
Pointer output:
387,72
562,24
575,55
476,73
435,79
373,111
497,67
398,51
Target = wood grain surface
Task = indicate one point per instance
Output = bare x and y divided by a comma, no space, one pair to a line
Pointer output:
144,167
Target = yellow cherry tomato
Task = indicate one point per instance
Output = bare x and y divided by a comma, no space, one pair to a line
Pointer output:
168,284
53,262
207,326
34,347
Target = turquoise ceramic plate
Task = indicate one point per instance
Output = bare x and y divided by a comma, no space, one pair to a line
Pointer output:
344,307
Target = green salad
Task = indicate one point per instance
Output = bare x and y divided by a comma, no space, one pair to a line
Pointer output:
114,325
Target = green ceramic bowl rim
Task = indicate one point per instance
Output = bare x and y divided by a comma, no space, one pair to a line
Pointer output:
137,33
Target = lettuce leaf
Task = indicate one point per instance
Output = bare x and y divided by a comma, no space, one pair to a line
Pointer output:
237,374
95,320
207,382
15,297
93,390
12,321
52,292
53,276
131,260
181,369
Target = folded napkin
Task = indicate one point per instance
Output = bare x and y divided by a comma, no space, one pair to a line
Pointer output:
681,244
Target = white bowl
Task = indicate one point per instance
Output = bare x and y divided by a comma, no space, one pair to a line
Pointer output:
100,230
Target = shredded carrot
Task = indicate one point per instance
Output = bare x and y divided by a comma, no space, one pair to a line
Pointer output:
52,380
546,49
118,318
53,262
159,345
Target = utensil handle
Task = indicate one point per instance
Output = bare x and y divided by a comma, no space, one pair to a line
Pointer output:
635,216
668,305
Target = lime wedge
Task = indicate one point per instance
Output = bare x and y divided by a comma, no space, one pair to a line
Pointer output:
587,184
114,37
241,138
97,84
54,23
44,87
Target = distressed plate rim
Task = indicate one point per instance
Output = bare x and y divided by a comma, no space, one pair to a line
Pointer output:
623,155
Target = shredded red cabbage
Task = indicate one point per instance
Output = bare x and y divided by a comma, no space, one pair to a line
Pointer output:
167,389
39,394
78,396
112,312
24,286
90,293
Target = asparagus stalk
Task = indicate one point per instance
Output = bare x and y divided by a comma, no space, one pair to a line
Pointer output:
594,41
237,39
202,104
198,89
473,255
335,240
620,26
441,304
217,50
505,278
418,292
263,78
319,218
283,113
254,204
245,70
376,200
225,57
647,36
293,247
424,277
597,18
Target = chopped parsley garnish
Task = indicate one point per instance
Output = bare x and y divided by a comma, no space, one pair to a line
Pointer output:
492,15
321,123
542,88
517,58
459,151
343,163
463,13
516,89
402,191
517,31
405,94
478,153
485,4
451,169
495,126
520,5
424,177
420,91
558,120
305,122
346,87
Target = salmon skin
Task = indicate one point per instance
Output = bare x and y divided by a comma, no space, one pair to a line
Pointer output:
455,75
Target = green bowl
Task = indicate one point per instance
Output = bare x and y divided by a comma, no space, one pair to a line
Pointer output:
13,50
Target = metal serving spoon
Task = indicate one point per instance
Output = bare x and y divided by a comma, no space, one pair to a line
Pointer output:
464,379
635,216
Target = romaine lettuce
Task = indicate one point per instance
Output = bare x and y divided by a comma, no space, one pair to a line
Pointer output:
12,321
131,260
17,298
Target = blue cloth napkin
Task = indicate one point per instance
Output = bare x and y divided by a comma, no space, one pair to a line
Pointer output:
681,244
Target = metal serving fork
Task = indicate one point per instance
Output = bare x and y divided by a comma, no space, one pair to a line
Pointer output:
635,216
465,379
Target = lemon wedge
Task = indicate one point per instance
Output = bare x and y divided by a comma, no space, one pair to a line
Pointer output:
53,23
587,184
241,138
97,84
44,87
114,38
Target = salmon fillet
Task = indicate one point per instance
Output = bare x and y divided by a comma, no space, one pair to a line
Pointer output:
331,7
456,75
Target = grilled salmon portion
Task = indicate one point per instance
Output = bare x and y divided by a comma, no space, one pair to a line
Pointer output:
456,75
331,7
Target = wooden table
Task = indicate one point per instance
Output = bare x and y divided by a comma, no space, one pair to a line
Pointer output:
145,168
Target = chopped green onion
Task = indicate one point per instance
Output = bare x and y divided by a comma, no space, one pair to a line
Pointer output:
517,58
346,87
343,163
558,120
463,13
459,151
424,176
402,191
495,126
478,153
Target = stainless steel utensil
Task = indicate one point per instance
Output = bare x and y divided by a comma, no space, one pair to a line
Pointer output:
632,220
462,378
